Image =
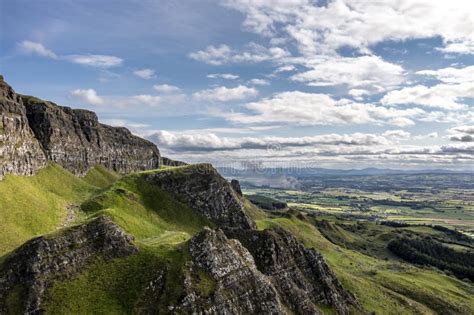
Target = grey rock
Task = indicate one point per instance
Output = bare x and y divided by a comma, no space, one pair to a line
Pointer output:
43,259
75,139
301,275
240,287
169,162
236,186
207,192
20,151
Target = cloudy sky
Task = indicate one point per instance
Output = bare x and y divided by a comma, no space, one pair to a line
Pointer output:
339,84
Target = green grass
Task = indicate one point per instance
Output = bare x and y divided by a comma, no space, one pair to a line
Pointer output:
101,177
384,286
144,210
31,206
118,286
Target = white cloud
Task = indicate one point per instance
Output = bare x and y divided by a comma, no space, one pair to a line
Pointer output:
287,68
150,100
443,96
462,47
359,24
451,75
358,94
302,108
88,96
259,82
182,141
98,61
227,76
397,134
146,74
370,73
166,88
401,122
223,54
30,47
223,94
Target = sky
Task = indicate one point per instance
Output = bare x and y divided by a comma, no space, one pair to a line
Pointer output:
281,83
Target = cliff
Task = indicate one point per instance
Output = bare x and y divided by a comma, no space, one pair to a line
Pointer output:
20,151
75,139
33,132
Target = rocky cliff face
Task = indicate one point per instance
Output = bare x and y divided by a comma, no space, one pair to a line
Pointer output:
34,265
239,287
300,275
75,139
207,192
262,272
33,132
20,151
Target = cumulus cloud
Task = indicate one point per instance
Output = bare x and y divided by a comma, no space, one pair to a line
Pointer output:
359,24
367,73
462,134
451,75
98,61
223,54
150,100
227,76
88,96
224,94
30,47
211,142
259,82
302,108
146,74
442,96
166,88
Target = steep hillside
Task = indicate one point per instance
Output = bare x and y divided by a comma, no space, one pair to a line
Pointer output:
177,267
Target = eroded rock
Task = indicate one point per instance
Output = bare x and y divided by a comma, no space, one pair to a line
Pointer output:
207,192
20,151
36,263
301,276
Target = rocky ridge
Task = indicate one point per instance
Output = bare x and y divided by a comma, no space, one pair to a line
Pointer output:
32,267
207,192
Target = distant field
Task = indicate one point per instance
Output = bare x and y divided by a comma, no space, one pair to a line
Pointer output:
415,204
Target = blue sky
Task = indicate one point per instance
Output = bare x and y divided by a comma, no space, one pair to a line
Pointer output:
341,84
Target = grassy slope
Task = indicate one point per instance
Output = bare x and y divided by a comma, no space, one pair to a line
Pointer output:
161,224
30,206
101,177
385,286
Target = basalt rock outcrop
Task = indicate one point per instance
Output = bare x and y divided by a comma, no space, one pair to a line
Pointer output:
207,192
75,139
261,272
239,287
20,151
34,132
301,276
30,269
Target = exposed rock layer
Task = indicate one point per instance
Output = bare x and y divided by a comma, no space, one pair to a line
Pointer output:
75,139
240,287
207,192
33,132
20,151
32,266
301,275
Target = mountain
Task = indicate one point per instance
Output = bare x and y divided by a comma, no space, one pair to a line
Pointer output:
104,224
